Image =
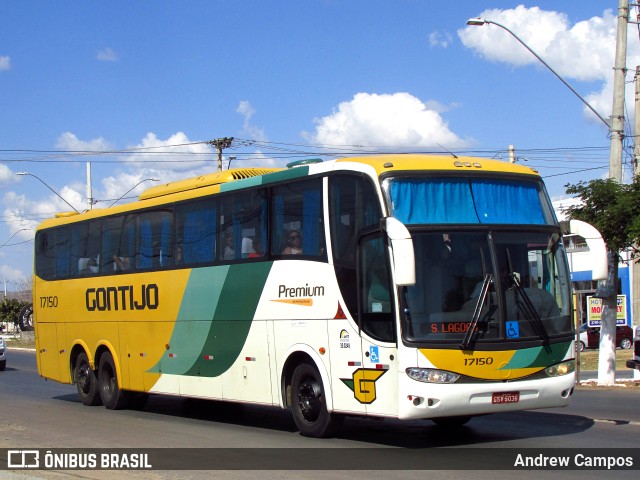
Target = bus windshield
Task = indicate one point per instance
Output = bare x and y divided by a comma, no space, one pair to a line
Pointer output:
469,200
508,285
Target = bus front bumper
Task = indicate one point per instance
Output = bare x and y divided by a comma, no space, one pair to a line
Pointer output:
424,400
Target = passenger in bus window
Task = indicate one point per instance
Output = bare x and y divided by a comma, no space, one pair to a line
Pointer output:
179,259
294,243
120,264
257,249
247,247
93,265
83,265
229,252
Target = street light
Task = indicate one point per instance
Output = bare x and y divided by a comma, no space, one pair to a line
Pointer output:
45,184
140,182
14,234
478,22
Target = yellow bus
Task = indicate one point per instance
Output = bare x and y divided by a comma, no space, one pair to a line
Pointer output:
397,286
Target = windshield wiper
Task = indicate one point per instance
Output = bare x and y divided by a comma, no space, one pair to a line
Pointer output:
529,311
475,319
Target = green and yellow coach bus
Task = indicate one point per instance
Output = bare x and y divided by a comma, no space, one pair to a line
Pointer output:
398,286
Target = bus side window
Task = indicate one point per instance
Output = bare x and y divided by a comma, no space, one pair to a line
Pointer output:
78,247
353,205
298,207
110,243
375,294
251,215
155,237
44,255
196,229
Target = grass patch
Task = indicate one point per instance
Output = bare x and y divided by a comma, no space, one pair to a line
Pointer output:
20,340
589,359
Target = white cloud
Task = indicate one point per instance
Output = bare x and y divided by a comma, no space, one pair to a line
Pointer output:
440,39
392,120
584,51
5,63
107,55
25,213
69,141
254,133
6,175
174,158
177,153
124,185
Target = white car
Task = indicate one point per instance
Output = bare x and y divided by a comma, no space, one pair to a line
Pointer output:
3,357
583,341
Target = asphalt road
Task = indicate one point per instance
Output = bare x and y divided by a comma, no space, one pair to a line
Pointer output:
36,413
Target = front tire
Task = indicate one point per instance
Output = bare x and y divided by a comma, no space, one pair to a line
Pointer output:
112,396
308,403
86,381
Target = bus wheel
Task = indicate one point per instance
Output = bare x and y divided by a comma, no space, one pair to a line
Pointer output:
309,403
86,381
112,396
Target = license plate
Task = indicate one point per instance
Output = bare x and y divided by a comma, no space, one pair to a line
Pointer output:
505,397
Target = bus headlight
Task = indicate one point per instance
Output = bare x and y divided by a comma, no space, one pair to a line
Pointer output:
563,368
431,375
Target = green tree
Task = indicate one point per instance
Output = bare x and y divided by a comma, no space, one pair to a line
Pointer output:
614,209
10,309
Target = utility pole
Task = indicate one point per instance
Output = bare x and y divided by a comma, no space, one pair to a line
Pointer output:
619,71
89,189
220,144
608,290
636,124
635,265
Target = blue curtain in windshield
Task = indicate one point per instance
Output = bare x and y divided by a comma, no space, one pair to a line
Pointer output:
432,201
449,200
507,202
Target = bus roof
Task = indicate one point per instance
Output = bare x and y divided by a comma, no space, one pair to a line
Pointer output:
395,162
226,180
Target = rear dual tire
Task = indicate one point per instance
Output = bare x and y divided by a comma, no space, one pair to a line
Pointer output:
112,396
86,381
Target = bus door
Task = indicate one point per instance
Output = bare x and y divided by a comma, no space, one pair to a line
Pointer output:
50,340
376,385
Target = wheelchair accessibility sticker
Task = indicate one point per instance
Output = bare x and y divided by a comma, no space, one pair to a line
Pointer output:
513,330
374,355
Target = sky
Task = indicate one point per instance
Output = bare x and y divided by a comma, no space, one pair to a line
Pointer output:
136,89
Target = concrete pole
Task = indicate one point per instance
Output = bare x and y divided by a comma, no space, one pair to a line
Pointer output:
89,189
617,117
635,293
636,124
607,347
635,278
